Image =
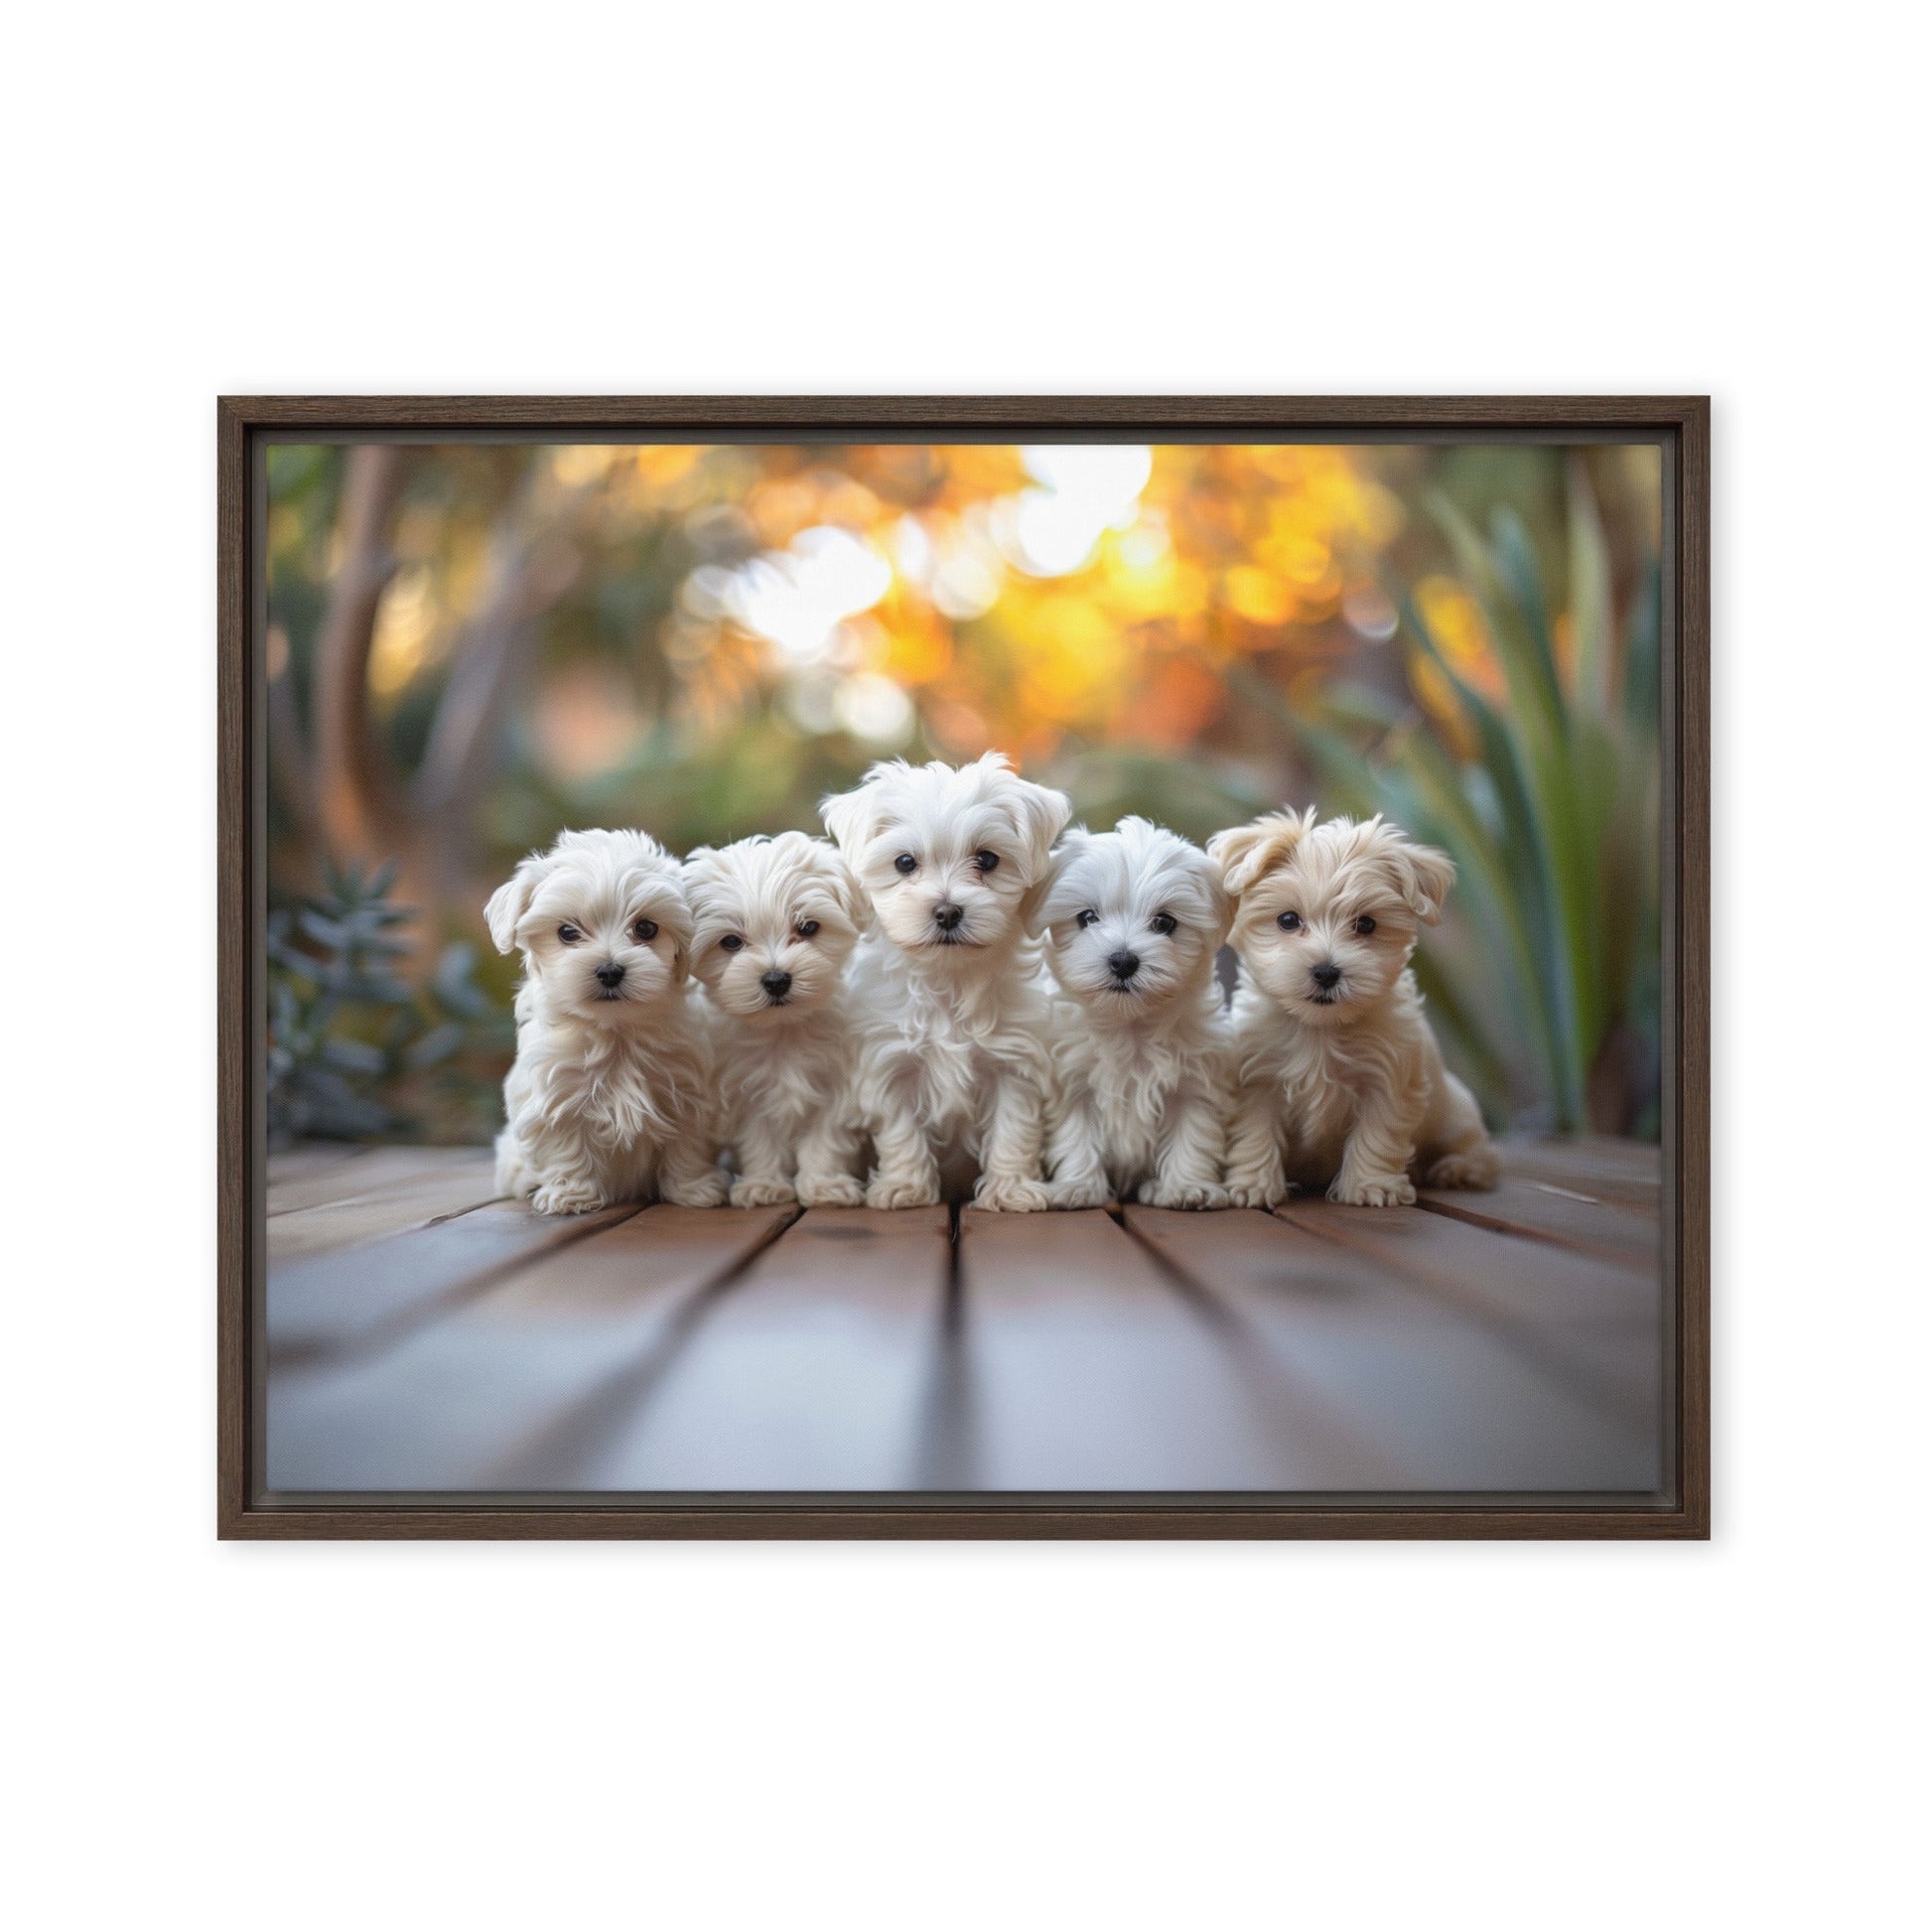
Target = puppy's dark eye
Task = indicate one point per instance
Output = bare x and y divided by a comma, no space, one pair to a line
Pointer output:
731,942
1162,922
1085,919
569,933
807,927
985,861
906,863
1364,926
1290,923
644,932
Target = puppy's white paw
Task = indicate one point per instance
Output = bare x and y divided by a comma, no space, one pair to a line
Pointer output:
1191,1195
902,1190
565,1196
1012,1195
830,1190
702,1191
747,1193
1256,1190
1076,1193
1474,1167
1375,1190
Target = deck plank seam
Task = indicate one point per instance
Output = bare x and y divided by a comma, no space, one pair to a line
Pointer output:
1472,1216
1255,1367
382,1335
1515,1334
572,1439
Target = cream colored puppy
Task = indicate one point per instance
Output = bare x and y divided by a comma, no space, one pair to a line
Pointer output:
1143,1082
1342,1085
609,1097
947,992
775,920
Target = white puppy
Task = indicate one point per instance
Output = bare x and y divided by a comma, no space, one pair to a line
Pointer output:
1342,1085
773,922
1143,1076
610,1098
948,996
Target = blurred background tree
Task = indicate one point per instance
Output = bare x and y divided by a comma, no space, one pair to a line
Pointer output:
471,646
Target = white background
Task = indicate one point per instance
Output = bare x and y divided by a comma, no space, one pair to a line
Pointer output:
1427,198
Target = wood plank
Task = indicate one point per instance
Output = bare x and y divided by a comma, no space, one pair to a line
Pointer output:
364,1297
1570,1218
370,1170
1629,1173
1087,1366
1596,1326
1409,1395
815,1370
409,1200
513,1388
309,1157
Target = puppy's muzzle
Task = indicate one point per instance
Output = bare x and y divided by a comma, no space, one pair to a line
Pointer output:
1123,965
609,976
1328,976
947,916
776,985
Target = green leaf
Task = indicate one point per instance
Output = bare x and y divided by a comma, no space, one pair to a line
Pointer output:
1589,590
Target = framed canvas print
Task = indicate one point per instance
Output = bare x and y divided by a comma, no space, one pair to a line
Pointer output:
963,967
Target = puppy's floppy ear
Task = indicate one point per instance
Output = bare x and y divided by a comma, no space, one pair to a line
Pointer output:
1243,853
852,818
1032,906
1039,815
1427,875
1221,911
511,900
852,895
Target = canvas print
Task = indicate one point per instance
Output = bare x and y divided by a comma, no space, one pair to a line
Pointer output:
961,968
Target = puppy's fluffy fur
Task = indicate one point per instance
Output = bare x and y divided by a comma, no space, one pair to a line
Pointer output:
1342,1085
1143,1082
609,1097
775,920
950,1003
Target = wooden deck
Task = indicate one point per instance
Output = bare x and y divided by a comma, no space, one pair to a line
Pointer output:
423,1339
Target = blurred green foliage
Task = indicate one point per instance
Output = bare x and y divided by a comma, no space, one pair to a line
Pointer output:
355,1050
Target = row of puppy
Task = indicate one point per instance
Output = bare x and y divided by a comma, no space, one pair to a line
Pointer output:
960,997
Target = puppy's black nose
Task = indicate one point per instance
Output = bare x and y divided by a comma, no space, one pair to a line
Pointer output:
1325,975
1125,964
947,916
609,974
776,983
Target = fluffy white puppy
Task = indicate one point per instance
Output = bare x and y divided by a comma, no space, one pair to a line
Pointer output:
774,922
609,1097
1342,1083
947,992
1143,1079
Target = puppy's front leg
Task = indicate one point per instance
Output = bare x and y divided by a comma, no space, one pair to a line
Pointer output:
1375,1159
1189,1171
907,1174
1010,1182
1075,1157
558,1169
764,1157
828,1161
689,1177
1256,1177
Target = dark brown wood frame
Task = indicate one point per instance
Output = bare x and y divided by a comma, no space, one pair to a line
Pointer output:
1680,424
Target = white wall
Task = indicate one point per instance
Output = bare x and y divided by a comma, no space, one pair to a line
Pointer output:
994,199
